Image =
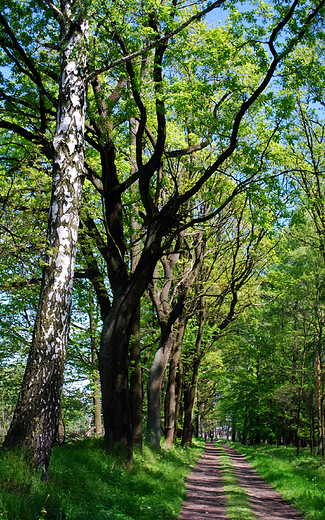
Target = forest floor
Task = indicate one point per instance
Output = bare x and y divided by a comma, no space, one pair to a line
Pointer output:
209,497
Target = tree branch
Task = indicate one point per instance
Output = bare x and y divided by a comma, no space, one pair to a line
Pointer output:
157,42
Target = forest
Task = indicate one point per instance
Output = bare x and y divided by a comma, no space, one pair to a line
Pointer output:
162,224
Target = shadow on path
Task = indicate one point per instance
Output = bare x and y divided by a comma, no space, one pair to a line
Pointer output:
205,496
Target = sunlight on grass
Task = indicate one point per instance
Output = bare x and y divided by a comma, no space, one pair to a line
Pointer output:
89,484
238,506
300,480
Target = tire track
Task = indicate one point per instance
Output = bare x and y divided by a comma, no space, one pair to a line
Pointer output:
266,503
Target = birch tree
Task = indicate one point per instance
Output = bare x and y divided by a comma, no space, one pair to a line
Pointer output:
36,416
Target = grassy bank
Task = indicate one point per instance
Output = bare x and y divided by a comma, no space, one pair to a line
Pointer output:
89,484
301,480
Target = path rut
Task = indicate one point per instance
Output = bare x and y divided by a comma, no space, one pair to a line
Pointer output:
206,498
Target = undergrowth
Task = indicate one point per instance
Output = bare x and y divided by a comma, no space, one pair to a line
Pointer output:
238,507
300,480
87,483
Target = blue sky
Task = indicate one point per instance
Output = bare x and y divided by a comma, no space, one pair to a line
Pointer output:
217,16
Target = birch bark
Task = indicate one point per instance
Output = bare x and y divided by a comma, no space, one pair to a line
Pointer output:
36,417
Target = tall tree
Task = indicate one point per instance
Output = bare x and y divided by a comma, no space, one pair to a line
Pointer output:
190,160
239,252
160,221
169,301
36,416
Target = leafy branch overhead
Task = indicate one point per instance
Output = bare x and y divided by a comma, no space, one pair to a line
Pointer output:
164,143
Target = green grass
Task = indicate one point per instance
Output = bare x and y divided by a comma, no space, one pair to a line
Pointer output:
300,480
238,507
86,483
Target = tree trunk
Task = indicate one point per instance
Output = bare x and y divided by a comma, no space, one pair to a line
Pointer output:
113,367
36,417
136,378
114,349
284,426
179,392
299,405
198,430
136,384
233,427
312,421
189,401
171,392
244,434
156,375
98,427
320,404
61,428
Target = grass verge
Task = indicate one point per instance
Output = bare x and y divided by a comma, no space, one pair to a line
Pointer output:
300,480
89,484
238,506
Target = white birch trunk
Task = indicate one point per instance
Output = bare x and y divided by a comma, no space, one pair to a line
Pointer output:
36,416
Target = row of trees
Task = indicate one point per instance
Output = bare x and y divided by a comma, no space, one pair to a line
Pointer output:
270,379
165,138
280,376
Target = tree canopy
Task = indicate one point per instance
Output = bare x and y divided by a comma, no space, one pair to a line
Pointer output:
169,154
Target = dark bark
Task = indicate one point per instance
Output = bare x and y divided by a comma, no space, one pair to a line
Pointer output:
136,379
312,425
190,396
244,432
114,349
299,406
198,428
179,393
257,425
171,390
156,374
320,404
284,426
136,384
98,427
113,367
233,428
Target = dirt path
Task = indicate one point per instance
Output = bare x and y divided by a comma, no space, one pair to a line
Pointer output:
205,496
206,499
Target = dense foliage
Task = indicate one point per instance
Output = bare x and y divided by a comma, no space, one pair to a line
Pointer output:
181,276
